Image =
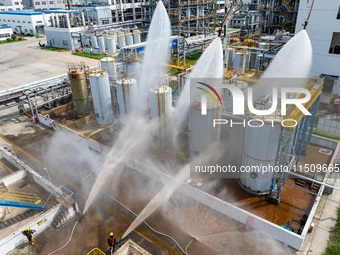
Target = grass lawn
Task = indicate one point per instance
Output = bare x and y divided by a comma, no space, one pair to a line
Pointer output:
327,135
54,49
12,41
333,247
88,55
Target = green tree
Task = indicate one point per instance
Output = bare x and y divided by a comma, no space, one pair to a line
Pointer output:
13,37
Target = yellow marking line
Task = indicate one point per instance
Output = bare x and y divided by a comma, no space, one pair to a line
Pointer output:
102,205
4,165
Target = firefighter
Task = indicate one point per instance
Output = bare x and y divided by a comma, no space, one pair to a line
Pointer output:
112,242
29,234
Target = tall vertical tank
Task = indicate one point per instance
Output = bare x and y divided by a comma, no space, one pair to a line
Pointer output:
229,60
260,146
127,97
131,68
202,133
94,42
241,61
129,39
111,46
101,44
227,96
110,66
78,84
121,40
136,36
101,95
161,110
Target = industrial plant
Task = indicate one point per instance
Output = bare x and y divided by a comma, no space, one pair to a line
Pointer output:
188,136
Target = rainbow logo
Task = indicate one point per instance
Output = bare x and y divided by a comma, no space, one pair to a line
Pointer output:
204,101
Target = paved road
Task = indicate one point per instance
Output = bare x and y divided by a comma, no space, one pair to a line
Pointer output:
24,62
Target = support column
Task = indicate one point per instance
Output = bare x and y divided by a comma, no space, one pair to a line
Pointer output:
68,20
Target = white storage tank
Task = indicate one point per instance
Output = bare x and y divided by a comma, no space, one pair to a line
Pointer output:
129,39
109,65
111,46
227,97
161,109
202,134
131,68
127,97
121,40
101,44
94,42
241,61
136,36
101,95
229,60
260,147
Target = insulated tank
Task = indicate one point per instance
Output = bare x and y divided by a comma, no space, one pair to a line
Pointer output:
161,110
202,134
129,39
241,62
101,44
131,68
78,84
127,97
101,95
94,42
260,146
110,66
136,36
229,60
111,46
121,40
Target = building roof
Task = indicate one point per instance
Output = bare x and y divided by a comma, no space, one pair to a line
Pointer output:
5,27
21,13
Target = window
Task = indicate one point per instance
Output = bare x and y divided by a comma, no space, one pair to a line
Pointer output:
31,31
13,20
58,2
51,2
10,9
16,3
26,31
2,10
10,21
37,3
65,42
335,44
18,21
38,22
29,22
24,22
18,9
43,2
5,35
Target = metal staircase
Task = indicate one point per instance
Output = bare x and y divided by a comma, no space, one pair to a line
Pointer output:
20,199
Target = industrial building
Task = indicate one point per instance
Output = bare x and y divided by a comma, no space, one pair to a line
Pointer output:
11,5
5,32
278,14
26,22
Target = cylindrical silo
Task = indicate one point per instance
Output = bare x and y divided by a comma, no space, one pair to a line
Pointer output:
129,39
161,110
131,68
230,57
121,40
101,44
101,95
260,146
109,65
78,84
136,36
94,42
111,46
202,133
227,96
127,97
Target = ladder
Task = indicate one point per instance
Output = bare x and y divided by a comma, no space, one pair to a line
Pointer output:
20,199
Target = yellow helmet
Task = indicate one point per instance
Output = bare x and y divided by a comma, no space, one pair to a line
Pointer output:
27,229
111,234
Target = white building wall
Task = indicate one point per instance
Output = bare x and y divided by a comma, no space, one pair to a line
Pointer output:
22,23
5,32
323,23
11,5
61,37
48,4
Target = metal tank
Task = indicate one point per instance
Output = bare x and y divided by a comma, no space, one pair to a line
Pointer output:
101,44
129,39
131,68
161,108
127,97
241,61
260,146
111,46
229,60
202,134
227,97
94,42
263,46
121,40
101,95
109,65
78,84
136,36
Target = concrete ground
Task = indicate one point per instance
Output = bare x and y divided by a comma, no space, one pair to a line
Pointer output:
24,62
